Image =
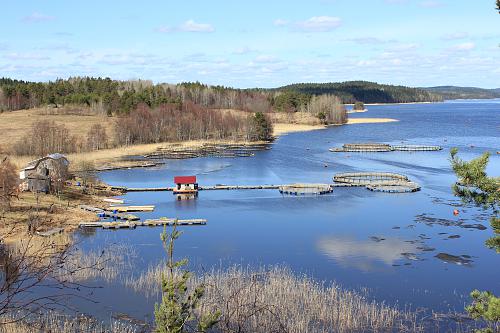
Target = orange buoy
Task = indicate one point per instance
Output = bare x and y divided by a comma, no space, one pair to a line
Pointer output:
455,212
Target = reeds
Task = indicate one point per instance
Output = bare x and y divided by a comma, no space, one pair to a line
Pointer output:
55,322
275,300
108,263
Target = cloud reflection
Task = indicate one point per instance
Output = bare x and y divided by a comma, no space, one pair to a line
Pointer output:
364,255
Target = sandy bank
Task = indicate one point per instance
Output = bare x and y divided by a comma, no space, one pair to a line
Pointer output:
280,129
352,121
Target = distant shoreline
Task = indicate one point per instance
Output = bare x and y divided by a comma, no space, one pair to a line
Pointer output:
408,103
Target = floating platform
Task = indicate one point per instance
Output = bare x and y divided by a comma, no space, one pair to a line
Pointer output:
169,222
381,147
306,189
121,209
113,200
107,213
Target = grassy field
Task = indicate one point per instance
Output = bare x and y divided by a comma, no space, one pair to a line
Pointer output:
14,125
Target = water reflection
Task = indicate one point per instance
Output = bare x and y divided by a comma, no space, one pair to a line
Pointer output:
365,255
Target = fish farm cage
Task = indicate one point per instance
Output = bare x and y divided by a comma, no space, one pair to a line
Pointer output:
378,181
381,147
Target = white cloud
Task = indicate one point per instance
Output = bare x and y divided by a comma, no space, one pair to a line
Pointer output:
243,50
430,4
455,36
319,24
280,22
192,26
365,63
369,40
25,56
467,46
38,17
267,59
405,47
188,26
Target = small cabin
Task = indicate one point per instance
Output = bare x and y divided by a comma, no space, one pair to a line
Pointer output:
40,175
185,184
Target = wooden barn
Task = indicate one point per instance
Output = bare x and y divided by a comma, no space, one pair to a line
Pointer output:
40,175
185,184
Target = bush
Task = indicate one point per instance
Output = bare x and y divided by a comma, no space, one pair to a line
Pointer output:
359,106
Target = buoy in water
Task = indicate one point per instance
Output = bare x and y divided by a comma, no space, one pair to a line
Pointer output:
455,212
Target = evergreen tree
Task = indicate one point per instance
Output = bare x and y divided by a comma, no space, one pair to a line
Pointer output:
177,310
263,128
475,186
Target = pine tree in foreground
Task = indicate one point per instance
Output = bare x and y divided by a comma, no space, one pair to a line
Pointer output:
178,310
475,186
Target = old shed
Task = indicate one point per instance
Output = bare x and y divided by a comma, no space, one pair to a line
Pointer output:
43,174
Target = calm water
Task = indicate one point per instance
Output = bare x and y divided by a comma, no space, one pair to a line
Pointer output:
330,237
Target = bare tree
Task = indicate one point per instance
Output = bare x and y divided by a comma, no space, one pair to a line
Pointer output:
8,183
44,138
97,138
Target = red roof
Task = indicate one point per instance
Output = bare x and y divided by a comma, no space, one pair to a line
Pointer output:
185,179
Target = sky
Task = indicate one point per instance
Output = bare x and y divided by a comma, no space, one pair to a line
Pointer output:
258,43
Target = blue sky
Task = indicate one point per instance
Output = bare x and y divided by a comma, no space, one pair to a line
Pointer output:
254,43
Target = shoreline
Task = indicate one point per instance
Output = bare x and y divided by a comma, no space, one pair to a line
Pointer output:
405,103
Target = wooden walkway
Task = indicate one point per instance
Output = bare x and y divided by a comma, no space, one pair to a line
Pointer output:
147,223
107,213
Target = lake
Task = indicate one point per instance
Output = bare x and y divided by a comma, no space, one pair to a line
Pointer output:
386,243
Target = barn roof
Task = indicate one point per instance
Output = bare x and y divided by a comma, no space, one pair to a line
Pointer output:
185,179
33,164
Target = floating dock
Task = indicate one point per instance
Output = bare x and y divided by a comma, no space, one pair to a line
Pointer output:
107,213
121,209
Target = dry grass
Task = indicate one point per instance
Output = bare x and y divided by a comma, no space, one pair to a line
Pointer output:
54,322
280,128
14,125
46,212
276,300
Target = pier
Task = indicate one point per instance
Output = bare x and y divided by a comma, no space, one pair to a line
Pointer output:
147,223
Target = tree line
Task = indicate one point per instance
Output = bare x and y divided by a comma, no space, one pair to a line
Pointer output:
367,92
114,97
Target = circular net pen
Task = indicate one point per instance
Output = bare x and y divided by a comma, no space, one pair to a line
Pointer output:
378,181
362,147
305,189
415,148
408,187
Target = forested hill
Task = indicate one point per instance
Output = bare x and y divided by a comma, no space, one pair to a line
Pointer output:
367,92
453,92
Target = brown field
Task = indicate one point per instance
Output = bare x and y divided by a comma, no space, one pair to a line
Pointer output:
15,124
